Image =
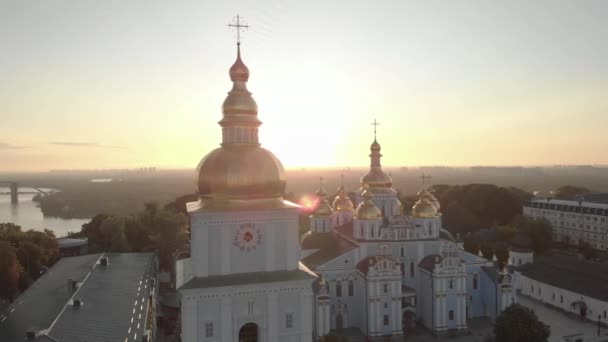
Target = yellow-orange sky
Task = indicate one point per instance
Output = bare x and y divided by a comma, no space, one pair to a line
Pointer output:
110,84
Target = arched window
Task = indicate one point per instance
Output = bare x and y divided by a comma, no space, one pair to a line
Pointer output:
451,284
351,288
475,281
338,288
402,269
402,252
451,314
412,273
385,288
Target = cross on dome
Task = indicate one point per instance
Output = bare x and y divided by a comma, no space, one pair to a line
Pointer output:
239,27
375,124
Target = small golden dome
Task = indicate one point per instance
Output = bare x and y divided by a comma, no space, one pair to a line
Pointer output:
434,201
238,70
240,172
423,208
367,210
323,209
376,178
342,202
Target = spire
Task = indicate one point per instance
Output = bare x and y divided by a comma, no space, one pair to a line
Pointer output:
240,122
376,178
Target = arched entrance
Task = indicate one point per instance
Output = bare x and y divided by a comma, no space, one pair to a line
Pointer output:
339,321
248,333
409,320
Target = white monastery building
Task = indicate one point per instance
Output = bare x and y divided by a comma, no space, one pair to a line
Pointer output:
573,222
364,264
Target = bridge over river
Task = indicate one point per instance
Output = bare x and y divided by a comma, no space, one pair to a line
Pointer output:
14,186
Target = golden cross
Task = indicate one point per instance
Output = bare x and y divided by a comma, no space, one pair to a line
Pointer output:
375,124
238,27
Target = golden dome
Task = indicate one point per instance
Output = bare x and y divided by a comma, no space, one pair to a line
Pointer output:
342,202
240,172
376,178
240,169
367,210
434,202
239,106
323,208
423,208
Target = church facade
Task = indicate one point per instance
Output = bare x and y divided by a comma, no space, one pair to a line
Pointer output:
364,263
384,271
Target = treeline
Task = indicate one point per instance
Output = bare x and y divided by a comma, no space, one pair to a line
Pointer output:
86,199
522,232
151,230
24,256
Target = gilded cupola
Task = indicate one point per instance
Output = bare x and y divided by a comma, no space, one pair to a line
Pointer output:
342,202
323,208
376,179
367,210
424,207
240,169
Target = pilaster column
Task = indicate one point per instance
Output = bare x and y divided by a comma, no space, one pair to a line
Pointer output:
305,316
225,251
270,249
189,319
272,315
226,321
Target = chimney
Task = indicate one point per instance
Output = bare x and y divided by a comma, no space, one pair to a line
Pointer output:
104,261
77,302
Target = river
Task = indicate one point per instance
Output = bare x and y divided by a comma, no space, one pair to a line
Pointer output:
27,215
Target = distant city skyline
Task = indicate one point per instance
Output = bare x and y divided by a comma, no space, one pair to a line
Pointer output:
109,85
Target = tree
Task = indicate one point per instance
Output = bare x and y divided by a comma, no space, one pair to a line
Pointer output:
459,220
502,253
486,250
570,191
168,235
520,324
587,251
112,236
471,244
538,230
9,271
505,233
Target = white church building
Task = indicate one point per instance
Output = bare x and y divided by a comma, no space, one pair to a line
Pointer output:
364,264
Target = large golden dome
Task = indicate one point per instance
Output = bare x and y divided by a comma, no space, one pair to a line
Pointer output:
240,169
367,210
240,172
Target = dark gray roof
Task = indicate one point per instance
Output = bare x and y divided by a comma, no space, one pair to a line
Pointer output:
108,292
40,304
568,272
428,262
329,247
112,295
301,273
493,273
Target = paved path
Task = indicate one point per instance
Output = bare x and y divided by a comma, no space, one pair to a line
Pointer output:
563,324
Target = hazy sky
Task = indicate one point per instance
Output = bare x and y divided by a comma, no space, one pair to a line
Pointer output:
132,83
